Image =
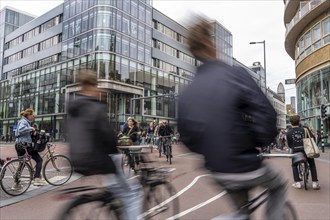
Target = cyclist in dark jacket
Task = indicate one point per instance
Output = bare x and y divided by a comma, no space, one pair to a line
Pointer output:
224,116
295,138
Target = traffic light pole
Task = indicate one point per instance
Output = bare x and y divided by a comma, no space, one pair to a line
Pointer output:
322,136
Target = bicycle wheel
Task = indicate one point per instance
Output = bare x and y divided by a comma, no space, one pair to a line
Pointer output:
304,175
169,153
289,212
159,202
126,165
92,207
57,170
16,177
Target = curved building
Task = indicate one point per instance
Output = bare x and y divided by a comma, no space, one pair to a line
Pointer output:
307,41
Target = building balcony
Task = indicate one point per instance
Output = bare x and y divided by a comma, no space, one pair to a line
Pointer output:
291,8
302,18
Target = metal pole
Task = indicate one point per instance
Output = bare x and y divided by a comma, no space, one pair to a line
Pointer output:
264,42
322,136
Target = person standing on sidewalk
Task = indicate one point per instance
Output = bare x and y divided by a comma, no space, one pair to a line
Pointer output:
224,116
295,138
23,136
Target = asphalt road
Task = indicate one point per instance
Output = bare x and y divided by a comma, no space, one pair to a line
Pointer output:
199,197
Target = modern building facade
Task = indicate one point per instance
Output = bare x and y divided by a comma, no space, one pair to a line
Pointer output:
10,20
279,104
259,69
138,53
307,41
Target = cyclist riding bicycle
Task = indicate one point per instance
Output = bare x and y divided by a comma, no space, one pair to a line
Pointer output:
224,116
92,139
295,142
165,131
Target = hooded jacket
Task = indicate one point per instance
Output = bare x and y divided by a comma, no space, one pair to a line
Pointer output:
91,137
224,116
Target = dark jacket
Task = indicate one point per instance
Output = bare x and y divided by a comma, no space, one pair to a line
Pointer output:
224,116
295,138
133,134
165,130
91,137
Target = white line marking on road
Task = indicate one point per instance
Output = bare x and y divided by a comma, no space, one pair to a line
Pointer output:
200,205
173,197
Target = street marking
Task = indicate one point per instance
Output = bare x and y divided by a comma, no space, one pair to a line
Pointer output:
173,197
200,205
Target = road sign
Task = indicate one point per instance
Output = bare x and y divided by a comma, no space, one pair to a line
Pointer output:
290,81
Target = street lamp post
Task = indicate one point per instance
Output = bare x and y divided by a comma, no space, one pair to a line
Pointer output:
264,43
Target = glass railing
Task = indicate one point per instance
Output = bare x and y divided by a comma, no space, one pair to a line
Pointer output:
302,12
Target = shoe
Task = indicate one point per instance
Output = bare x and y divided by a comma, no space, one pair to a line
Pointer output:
17,187
296,185
316,185
39,182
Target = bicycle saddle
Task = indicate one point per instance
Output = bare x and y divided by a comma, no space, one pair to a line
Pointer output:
298,157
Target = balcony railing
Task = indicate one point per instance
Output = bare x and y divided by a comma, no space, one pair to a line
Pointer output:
302,12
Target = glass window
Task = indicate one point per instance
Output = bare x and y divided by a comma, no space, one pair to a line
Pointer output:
91,19
141,52
126,24
84,24
134,28
77,46
118,43
119,20
83,45
103,17
125,46
72,8
102,41
142,13
301,45
112,18
326,40
134,8
84,5
133,49
124,70
78,6
78,25
126,6
141,32
326,26
148,16
66,12
317,33
308,39
90,42
71,28
148,36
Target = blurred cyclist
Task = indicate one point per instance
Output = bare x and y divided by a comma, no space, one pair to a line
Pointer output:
224,116
92,139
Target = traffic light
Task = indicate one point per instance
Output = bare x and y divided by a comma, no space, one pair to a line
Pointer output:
323,111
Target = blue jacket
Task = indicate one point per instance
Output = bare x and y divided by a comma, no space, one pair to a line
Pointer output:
23,131
224,116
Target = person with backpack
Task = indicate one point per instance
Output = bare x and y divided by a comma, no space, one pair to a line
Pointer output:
24,134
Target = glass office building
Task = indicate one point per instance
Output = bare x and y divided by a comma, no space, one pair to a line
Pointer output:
137,52
307,41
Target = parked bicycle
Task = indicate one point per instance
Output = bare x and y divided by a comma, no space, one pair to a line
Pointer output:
101,203
165,147
57,170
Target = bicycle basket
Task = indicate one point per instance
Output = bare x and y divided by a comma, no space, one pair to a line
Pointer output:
124,141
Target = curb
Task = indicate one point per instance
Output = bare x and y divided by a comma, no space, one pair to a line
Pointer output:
33,193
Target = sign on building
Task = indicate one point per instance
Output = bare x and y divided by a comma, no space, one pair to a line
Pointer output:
290,81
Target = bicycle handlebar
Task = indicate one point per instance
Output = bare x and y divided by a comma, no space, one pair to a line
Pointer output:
297,157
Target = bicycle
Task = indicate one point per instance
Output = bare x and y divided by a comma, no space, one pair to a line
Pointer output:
57,170
247,209
166,146
99,203
131,158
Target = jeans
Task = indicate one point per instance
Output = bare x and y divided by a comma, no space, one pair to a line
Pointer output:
130,192
312,167
35,156
238,185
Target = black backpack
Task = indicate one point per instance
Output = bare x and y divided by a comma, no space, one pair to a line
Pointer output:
39,139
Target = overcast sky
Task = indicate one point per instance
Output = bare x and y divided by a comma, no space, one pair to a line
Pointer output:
247,20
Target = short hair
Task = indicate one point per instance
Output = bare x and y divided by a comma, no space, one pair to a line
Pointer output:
87,77
197,34
26,112
294,120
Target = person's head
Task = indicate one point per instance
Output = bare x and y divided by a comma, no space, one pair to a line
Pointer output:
28,113
129,118
131,122
199,39
295,120
151,124
87,79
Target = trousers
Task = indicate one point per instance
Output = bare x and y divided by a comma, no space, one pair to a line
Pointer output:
238,186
